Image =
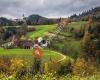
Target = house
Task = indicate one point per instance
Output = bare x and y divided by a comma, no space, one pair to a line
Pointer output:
25,44
28,44
40,42
44,43
8,45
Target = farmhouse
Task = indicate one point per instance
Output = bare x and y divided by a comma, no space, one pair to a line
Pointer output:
25,44
28,44
40,42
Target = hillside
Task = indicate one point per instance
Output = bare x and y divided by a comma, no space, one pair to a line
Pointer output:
42,30
95,12
33,19
5,21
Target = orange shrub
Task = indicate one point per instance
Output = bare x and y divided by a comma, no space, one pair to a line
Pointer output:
84,68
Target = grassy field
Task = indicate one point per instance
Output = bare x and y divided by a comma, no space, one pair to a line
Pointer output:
73,45
27,54
49,54
77,25
41,30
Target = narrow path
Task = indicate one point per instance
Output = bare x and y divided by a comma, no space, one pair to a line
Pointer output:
64,57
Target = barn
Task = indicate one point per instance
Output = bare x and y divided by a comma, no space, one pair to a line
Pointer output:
28,44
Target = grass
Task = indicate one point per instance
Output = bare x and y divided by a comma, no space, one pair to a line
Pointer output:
27,54
77,25
41,30
74,44
51,76
76,48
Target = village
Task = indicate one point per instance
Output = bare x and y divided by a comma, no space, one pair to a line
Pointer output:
14,37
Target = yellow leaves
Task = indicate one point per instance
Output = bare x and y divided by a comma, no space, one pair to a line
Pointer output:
48,76
76,78
83,67
17,64
80,62
46,68
1,62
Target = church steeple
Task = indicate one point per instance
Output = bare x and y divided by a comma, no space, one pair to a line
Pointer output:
24,20
24,27
24,23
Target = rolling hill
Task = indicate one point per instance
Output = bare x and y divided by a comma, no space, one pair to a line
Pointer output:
95,12
33,19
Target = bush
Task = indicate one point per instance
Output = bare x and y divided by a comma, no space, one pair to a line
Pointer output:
84,68
4,66
18,67
65,69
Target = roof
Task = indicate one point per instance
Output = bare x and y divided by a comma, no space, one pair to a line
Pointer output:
28,43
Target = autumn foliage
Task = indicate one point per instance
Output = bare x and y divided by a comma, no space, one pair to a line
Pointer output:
83,68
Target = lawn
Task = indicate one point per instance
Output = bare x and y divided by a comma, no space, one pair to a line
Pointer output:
27,54
41,30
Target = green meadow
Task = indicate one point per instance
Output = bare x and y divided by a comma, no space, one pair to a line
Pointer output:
77,25
28,55
41,30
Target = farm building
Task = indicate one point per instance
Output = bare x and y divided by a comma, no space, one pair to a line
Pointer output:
40,42
25,44
28,44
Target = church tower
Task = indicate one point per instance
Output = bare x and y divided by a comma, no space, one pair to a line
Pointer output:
24,27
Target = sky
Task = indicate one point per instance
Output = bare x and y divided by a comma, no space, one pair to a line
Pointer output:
46,8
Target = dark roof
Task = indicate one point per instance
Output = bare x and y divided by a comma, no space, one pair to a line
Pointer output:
28,43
